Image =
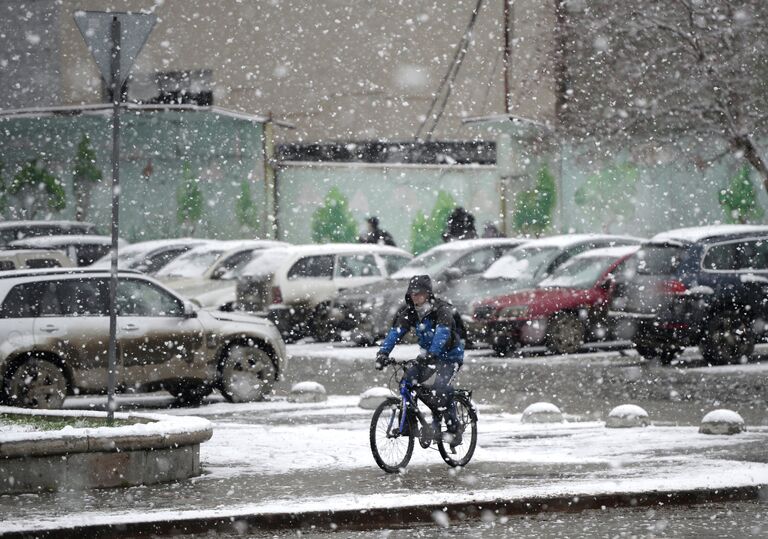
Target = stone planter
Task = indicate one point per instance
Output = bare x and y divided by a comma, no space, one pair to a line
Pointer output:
156,449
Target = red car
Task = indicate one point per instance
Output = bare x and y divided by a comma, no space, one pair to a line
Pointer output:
564,310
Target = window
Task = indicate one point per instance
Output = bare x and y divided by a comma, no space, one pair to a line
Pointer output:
37,263
140,298
721,257
6,265
394,262
89,297
750,255
233,265
356,266
317,267
22,301
658,259
475,262
156,261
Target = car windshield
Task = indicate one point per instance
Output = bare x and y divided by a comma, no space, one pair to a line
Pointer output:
127,258
192,264
522,263
264,263
429,263
577,273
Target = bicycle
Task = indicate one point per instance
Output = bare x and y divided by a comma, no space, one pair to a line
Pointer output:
393,434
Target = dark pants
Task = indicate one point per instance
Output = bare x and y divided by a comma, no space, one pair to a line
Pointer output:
442,390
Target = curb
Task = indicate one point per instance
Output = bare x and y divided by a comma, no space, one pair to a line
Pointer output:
393,517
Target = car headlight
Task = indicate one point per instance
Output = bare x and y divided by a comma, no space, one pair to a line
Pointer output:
513,311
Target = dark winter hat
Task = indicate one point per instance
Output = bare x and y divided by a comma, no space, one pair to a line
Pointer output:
373,220
420,283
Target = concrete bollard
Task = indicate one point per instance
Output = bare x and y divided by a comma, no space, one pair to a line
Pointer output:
627,416
371,398
542,412
307,392
722,421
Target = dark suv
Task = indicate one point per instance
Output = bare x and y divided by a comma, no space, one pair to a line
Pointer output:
705,286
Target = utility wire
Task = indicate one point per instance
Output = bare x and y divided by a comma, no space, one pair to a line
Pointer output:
446,84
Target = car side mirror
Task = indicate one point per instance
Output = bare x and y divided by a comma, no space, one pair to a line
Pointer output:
190,311
219,272
607,284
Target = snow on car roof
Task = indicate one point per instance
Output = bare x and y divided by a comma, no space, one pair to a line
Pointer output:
609,252
333,248
698,233
151,245
479,242
566,240
66,239
14,224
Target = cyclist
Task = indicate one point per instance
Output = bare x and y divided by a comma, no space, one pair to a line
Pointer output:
442,349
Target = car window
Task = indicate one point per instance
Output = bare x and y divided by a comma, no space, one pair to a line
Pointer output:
394,262
74,297
577,273
658,259
431,262
356,266
153,263
315,267
36,263
475,262
88,254
734,256
22,301
140,298
231,267
6,265
193,263
753,255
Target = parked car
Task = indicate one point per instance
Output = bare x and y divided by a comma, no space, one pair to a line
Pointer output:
83,250
564,310
150,256
295,285
703,286
33,258
207,273
54,325
367,311
523,268
17,230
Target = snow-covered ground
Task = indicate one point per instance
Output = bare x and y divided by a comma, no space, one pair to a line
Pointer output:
281,456
326,444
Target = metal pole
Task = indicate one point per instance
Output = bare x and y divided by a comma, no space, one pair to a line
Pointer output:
507,53
116,88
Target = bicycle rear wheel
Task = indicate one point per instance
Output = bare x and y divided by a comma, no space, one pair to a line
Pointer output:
391,450
461,454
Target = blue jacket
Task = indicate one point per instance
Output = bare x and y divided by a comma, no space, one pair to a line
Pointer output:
436,332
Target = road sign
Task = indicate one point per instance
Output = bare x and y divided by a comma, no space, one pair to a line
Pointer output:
96,27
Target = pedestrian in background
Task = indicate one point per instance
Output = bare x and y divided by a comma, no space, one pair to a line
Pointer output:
374,234
460,225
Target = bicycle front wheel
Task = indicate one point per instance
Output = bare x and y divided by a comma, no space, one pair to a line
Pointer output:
391,450
459,454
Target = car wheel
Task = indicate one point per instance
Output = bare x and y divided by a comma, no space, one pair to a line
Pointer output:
323,329
36,383
565,334
503,345
728,337
190,393
247,373
663,352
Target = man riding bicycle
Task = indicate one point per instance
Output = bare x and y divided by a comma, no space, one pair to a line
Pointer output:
442,349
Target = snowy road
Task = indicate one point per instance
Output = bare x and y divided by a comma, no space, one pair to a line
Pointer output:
276,456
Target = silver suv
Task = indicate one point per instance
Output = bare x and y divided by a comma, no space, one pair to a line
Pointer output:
54,330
